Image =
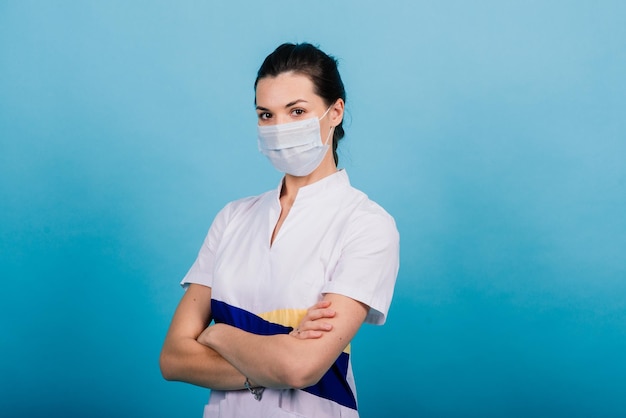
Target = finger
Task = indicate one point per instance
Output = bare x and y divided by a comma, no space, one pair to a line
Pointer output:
325,326
314,334
304,334
318,325
321,313
320,305
310,334
315,326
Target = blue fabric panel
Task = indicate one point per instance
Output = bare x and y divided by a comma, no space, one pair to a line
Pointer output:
332,385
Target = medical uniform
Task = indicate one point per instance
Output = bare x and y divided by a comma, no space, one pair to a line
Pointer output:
334,240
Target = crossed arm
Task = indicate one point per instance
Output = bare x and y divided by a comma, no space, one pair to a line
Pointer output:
221,356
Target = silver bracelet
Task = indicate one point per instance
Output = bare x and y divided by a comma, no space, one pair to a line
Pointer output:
256,392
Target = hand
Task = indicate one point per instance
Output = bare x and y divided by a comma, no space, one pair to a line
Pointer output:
312,325
205,337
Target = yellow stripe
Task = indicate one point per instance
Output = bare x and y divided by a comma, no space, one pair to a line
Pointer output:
289,318
286,317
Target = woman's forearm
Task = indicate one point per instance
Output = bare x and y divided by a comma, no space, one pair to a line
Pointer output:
282,361
183,358
189,361
265,360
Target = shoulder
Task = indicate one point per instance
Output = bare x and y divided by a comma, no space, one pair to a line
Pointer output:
369,258
245,205
367,215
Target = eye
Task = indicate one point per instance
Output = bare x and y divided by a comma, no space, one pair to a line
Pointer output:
265,115
297,112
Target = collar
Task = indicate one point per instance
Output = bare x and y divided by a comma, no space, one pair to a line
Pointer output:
329,183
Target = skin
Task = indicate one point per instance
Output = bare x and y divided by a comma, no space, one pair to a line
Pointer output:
184,358
291,97
219,356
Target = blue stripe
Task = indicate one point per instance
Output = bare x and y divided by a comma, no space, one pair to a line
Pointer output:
332,386
242,319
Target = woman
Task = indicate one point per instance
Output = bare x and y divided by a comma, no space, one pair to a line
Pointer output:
313,242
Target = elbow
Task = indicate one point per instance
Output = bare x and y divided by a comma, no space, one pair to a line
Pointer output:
301,380
167,366
300,376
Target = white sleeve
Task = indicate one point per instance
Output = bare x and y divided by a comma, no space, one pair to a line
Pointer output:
201,271
369,262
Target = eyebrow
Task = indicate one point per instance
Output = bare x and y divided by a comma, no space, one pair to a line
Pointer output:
295,102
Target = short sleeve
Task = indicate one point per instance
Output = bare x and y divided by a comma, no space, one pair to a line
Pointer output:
368,265
201,271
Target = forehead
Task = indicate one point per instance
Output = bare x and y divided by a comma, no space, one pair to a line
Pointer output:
283,89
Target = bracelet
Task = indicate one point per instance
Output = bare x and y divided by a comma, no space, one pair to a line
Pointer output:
256,392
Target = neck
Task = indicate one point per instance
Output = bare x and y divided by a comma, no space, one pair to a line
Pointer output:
292,184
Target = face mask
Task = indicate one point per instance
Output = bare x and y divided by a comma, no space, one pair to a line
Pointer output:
294,148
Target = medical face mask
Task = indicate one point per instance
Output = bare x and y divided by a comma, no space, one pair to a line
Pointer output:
294,148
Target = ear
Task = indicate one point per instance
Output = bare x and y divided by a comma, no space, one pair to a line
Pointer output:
336,112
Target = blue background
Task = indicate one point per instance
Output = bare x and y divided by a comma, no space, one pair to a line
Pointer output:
494,132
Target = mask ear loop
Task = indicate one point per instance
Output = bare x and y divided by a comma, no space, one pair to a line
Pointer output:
332,128
326,113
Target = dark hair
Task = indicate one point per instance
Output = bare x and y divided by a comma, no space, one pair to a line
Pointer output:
321,69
